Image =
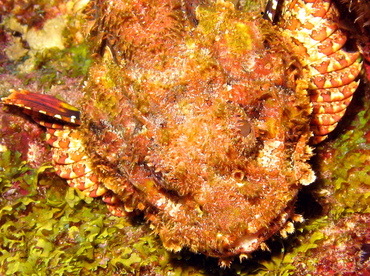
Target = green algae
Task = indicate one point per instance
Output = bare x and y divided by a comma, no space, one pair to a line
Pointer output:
48,228
349,165
53,63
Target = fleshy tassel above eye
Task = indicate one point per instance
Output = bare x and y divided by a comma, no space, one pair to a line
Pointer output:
35,104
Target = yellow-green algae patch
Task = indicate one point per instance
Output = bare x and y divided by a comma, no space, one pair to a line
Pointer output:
48,228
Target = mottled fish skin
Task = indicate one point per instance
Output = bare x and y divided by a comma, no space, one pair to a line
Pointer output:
200,116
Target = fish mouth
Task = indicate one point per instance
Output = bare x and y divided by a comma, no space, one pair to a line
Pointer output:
250,242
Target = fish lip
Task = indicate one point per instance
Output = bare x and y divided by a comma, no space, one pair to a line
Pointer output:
251,242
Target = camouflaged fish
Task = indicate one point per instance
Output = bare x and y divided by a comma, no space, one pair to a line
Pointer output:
201,115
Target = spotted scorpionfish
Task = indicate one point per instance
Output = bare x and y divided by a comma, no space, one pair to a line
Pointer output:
200,116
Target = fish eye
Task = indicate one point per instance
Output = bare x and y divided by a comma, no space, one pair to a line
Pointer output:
245,127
